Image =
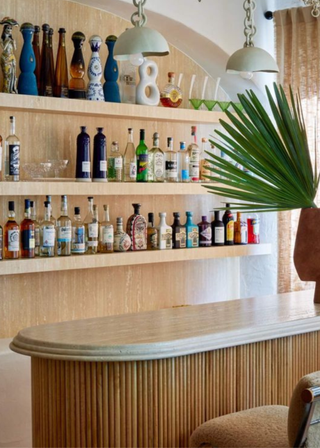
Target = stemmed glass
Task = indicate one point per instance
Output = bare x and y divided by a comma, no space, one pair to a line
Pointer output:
195,92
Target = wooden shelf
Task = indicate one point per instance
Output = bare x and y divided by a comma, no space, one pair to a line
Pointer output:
25,266
97,188
37,104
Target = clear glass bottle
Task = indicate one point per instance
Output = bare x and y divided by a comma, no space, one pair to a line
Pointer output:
122,241
64,230
217,227
240,230
142,158
228,221
115,164
171,94
11,235
183,159
179,233
130,164
205,233
137,229
127,82
106,233
152,233
47,233
171,164
194,157
156,161
204,164
52,218
12,154
92,229
192,232
164,233
27,241
1,243
78,241
36,228
61,79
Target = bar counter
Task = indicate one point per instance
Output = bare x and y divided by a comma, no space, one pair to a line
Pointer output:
149,379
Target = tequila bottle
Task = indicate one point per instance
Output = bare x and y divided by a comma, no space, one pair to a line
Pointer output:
11,235
61,80
164,233
171,164
142,159
52,218
205,233
192,232
156,161
152,233
137,229
78,242
115,164
77,86
130,164
183,163
64,230
12,154
217,227
194,157
171,95
36,228
47,233
27,241
240,230
179,233
36,50
204,164
106,233
122,241
91,223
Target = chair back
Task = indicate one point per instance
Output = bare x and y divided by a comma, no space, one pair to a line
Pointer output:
304,413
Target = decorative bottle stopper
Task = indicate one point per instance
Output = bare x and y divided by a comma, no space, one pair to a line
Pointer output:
83,166
36,50
100,157
27,83
77,87
111,74
148,72
8,60
95,91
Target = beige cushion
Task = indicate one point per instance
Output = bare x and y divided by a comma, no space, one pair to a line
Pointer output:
262,427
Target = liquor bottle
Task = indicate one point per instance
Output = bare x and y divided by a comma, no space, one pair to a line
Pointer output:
156,161
111,73
194,157
94,89
171,173
218,238
106,233
27,241
11,235
36,228
164,233
61,79
228,221
204,164
27,84
12,154
192,231
183,159
92,229
179,233
142,159
152,233
64,230
1,155
47,233
78,240
171,95
130,163
99,157
122,241
77,86
1,243
36,50
46,78
127,83
137,229
240,230
83,164
253,229
115,164
51,32
52,218
205,232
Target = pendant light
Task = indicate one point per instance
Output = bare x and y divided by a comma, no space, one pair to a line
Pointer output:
250,58
140,40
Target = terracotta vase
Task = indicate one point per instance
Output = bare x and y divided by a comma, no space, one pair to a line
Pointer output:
307,248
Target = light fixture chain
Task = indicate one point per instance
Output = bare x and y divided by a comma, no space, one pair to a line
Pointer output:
139,18
249,28
315,12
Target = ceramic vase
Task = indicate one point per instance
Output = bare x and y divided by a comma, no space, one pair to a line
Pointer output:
95,91
148,72
27,83
111,74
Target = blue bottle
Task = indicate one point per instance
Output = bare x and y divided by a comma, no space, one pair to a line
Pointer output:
27,84
111,74
83,165
100,157
192,232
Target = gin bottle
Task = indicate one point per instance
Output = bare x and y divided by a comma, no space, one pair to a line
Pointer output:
137,229
156,161
130,164
78,242
106,233
183,163
36,228
217,227
164,233
179,233
194,157
152,233
142,158
64,230
91,223
171,164
27,241
122,241
205,233
115,164
11,235
12,154
47,233
192,232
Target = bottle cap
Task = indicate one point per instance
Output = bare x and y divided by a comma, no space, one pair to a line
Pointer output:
45,27
83,128
100,129
227,205
171,74
31,203
48,197
156,136
162,214
37,29
182,145
111,38
77,210
27,26
106,207
11,206
61,30
119,220
136,208
12,118
46,204
150,217
169,141
204,140
51,32
26,203
130,129
64,197
142,134
78,35
193,129
189,213
204,218
217,215
90,198
176,214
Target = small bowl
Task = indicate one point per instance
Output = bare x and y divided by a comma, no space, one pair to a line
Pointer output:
37,169
57,166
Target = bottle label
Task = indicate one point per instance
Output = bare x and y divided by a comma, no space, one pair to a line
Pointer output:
158,164
92,243
122,242
243,233
174,95
181,236
219,235
166,238
142,164
64,234
253,230
118,162
184,174
172,169
153,239
133,170
230,231
93,230
13,240
78,240
193,237
27,239
103,165
49,236
14,160
139,233
107,234
86,167
206,236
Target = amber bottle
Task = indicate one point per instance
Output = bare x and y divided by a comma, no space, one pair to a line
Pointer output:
51,54
46,78
61,81
77,86
36,50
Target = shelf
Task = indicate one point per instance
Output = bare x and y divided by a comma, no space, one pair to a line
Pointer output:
38,104
10,267
97,188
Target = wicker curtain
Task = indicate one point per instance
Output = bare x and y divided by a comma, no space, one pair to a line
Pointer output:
298,57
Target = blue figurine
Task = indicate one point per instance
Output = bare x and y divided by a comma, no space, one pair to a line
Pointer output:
27,83
111,74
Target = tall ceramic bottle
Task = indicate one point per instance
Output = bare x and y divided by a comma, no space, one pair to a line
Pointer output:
111,74
36,50
100,157
137,229
61,81
27,84
83,166
77,87
95,91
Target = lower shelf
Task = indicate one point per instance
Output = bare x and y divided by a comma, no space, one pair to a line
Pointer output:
27,266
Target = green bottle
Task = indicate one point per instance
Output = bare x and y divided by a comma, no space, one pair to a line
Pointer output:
142,159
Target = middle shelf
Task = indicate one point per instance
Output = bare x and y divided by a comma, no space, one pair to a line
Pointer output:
29,266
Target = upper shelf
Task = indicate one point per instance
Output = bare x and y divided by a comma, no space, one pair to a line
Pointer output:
38,104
